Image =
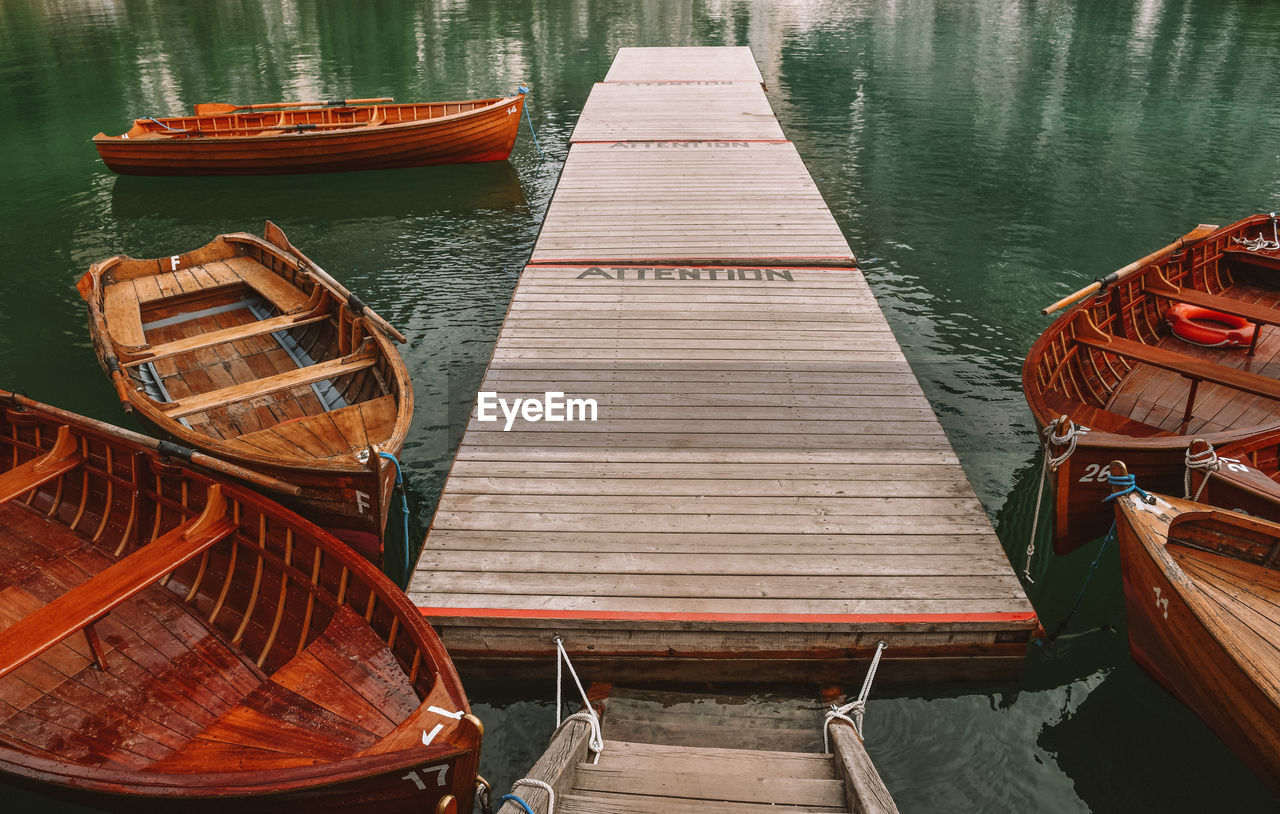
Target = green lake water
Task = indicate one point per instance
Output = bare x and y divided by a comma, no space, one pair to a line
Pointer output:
983,158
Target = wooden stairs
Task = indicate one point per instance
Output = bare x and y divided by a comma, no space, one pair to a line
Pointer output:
675,753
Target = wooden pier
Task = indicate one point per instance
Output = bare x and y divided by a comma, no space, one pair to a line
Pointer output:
671,753
765,492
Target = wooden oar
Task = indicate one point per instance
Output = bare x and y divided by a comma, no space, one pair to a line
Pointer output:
1194,236
208,108
165,448
274,234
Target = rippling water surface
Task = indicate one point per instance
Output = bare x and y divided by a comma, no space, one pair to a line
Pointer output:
983,159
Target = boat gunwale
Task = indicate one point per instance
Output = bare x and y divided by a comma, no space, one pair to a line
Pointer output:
361,128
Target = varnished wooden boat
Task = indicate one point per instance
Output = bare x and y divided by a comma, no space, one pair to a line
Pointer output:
170,641
247,350
1111,365
324,137
1202,592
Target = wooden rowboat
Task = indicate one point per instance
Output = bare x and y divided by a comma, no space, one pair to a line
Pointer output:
1112,367
247,350
173,641
319,137
1202,592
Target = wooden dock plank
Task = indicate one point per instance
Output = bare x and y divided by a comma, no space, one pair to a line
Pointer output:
707,203
645,111
722,64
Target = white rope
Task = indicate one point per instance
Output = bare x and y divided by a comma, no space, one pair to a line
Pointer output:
551,793
595,744
1207,463
1068,438
1260,243
858,706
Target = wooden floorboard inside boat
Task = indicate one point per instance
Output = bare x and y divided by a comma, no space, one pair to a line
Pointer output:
1158,397
175,693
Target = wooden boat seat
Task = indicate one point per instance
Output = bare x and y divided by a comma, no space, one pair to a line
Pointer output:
364,357
270,285
1088,334
1266,260
59,460
187,344
123,314
82,606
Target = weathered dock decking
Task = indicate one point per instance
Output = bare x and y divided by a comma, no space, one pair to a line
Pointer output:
670,753
765,492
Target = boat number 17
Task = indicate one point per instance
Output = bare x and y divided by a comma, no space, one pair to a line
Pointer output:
438,771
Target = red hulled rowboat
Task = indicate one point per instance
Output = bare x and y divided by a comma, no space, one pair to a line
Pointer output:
171,641
324,137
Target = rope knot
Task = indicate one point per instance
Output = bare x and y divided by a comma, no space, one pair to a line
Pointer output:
1056,435
1130,485
1205,461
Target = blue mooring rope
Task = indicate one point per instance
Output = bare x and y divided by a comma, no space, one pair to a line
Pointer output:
518,802
162,124
1130,484
404,508
523,89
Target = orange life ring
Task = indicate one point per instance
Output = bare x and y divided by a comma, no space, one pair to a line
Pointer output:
1209,328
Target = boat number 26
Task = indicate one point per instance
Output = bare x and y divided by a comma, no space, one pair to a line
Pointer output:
438,771
1099,473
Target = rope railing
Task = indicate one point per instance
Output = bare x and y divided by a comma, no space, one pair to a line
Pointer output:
595,743
857,707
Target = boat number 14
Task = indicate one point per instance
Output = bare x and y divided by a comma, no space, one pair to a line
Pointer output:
438,771
1099,473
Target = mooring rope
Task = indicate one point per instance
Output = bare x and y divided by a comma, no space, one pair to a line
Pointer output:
1206,462
1130,484
858,706
165,126
404,510
523,89
1069,438
1260,243
596,743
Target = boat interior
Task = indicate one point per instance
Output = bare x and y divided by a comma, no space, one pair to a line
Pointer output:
216,120
238,347
1234,561
151,620
1119,367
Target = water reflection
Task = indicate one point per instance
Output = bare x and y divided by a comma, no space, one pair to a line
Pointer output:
423,192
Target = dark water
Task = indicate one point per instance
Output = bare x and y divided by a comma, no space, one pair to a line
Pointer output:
983,158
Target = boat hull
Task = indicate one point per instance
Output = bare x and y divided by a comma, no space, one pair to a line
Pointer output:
1169,639
404,789
486,134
